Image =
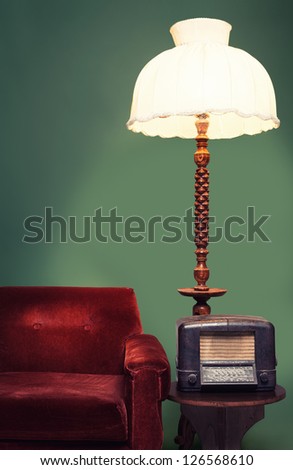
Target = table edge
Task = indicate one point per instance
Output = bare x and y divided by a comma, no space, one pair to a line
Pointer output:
211,399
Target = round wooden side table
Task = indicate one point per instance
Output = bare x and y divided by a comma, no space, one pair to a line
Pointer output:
220,419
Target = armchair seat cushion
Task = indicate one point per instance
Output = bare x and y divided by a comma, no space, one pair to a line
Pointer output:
51,405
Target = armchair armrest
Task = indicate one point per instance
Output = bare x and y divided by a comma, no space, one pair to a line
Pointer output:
148,381
145,353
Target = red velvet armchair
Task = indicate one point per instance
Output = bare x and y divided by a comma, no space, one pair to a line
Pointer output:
76,370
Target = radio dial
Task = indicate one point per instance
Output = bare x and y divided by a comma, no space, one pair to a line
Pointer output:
192,378
264,377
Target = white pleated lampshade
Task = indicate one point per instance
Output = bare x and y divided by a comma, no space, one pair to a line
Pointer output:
203,74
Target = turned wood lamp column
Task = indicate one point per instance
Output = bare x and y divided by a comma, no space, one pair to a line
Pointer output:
201,292
201,204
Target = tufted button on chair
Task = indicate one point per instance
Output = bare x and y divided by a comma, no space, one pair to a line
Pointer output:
77,371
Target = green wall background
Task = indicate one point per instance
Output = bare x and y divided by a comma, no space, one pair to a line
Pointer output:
68,69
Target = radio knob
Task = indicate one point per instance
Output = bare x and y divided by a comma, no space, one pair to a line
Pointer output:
192,378
264,377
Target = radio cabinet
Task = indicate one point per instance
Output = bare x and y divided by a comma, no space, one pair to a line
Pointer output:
225,352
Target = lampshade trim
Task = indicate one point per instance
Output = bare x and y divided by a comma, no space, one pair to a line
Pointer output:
275,120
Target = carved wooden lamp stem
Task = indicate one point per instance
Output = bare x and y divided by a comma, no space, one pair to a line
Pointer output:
201,292
201,205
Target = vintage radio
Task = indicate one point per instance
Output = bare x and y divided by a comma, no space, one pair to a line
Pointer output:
225,352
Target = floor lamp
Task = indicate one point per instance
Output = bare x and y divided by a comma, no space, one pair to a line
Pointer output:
204,89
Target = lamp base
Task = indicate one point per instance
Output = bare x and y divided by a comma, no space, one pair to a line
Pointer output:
201,297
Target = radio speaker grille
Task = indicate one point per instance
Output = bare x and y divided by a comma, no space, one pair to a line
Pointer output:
227,347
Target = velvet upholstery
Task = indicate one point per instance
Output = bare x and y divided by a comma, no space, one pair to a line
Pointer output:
144,355
63,400
75,366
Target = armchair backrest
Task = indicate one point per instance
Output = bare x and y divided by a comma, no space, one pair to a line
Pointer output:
66,329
